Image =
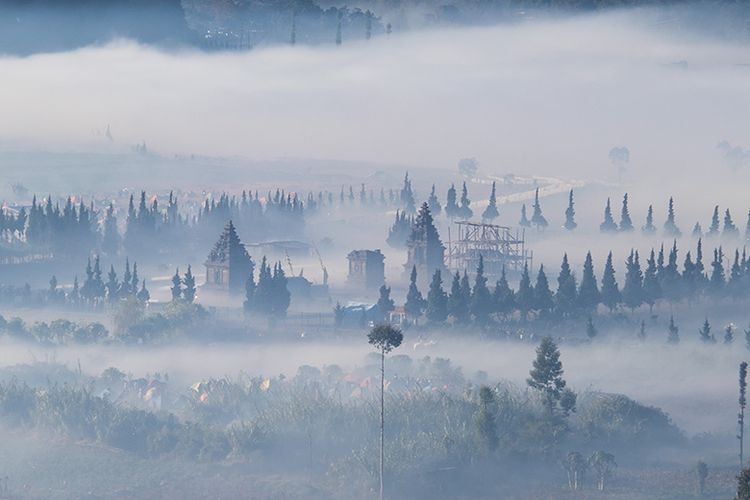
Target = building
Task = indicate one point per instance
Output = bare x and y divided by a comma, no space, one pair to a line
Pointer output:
366,268
228,266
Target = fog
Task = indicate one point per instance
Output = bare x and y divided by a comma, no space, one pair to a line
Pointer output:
545,97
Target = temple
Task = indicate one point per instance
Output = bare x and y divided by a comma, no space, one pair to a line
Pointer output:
228,265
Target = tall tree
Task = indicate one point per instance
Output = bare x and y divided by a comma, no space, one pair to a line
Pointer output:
741,414
591,331
110,235
670,226
465,211
491,213
565,298
503,296
536,217
543,300
486,419
632,289
437,300
546,377
415,303
451,207
588,293
718,277
385,338
649,228
112,285
730,230
481,299
608,225
188,293
697,231
434,203
176,286
610,291
525,295
713,229
524,222
651,286
570,213
705,333
626,223
458,307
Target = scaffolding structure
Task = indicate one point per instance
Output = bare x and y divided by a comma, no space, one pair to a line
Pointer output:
499,247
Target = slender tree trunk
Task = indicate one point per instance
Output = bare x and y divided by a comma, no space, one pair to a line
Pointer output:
742,438
382,418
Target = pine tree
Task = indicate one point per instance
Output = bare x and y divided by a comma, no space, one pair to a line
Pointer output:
524,222
543,300
385,304
649,228
433,203
537,218
465,211
651,286
98,283
425,248
458,307
112,284
415,304
588,293
632,290
674,333
705,333
670,226
407,196
188,293
610,291
736,283
176,286
546,377
729,334
591,331
281,296
437,300
110,235
718,279
491,213
399,232
697,231
127,278
503,296
525,295
570,213
608,225
451,207
713,229
626,224
481,299
670,279
730,230
565,298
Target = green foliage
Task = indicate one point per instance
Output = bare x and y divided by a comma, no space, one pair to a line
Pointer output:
385,337
437,300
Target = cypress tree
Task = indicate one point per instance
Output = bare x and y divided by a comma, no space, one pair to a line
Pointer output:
134,280
524,222
386,305
736,277
670,226
649,228
503,296
671,283
697,231
713,229
673,337
729,334
730,230
127,278
626,224
632,290
700,270
690,280
143,294
537,218
705,333
263,296
570,214
651,286
415,304
491,213
588,293
610,291
437,300
543,301
433,203
280,292
458,307
176,286
465,211
188,293
248,304
717,280
608,225
565,298
486,419
99,289
112,284
451,207
110,235
481,299
525,295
